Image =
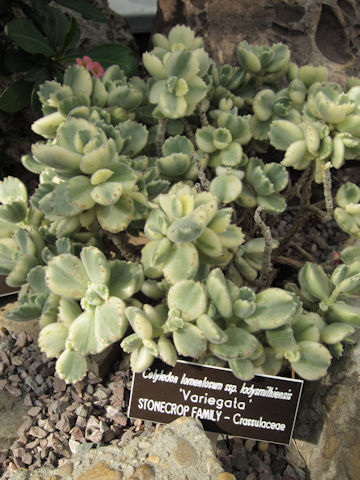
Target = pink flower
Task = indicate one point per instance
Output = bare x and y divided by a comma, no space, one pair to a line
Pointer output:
336,257
85,62
94,67
97,69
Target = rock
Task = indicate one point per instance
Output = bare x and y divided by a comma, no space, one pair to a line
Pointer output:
12,413
100,470
93,33
328,427
178,450
303,26
30,327
225,476
144,472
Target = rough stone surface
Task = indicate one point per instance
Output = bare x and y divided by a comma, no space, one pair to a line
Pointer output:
15,412
328,427
30,327
176,451
114,30
304,26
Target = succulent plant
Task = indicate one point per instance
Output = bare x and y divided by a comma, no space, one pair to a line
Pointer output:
20,254
266,64
224,143
262,186
268,106
141,230
327,131
246,264
89,181
101,286
113,97
177,64
187,228
332,297
178,161
347,214
15,211
225,81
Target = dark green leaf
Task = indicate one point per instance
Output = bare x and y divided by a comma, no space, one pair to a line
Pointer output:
17,60
111,54
16,97
38,74
85,8
54,25
71,36
23,32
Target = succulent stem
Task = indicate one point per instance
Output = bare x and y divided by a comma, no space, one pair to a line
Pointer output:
202,114
160,136
288,261
327,192
266,266
201,174
303,252
119,240
303,188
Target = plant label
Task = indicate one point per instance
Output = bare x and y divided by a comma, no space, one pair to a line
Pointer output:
5,289
263,408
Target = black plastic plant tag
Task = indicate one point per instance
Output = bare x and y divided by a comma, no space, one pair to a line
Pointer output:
263,408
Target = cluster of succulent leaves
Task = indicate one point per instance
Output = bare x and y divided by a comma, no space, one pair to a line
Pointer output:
37,42
135,233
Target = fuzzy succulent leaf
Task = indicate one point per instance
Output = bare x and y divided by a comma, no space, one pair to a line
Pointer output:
240,344
52,339
82,334
219,293
68,310
182,263
139,322
125,279
211,329
20,270
281,339
110,321
314,360
307,327
117,217
189,298
66,276
167,351
242,368
284,133
314,280
226,187
131,343
95,264
71,366
342,312
336,332
140,359
274,307
189,341
271,365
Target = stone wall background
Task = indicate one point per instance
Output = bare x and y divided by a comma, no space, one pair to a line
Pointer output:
321,32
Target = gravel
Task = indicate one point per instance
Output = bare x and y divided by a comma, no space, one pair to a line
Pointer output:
93,412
